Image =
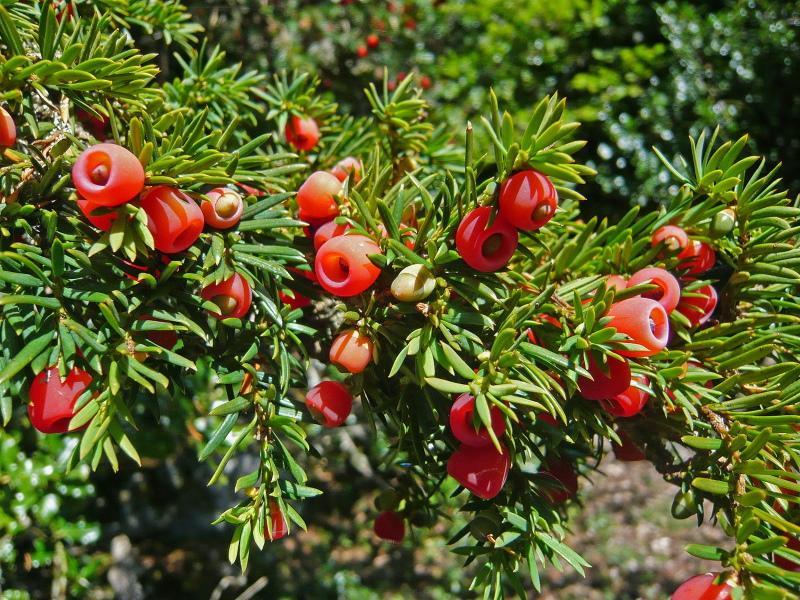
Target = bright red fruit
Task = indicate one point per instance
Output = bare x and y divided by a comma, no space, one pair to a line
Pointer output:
785,563
673,237
297,300
8,130
303,134
352,351
102,221
329,230
373,40
52,401
630,402
107,174
277,523
223,209
698,307
329,402
425,82
390,526
702,587
462,423
362,51
233,296
616,282
566,477
528,200
605,385
316,197
670,292
342,265
342,169
628,451
483,471
644,321
697,257
173,218
483,247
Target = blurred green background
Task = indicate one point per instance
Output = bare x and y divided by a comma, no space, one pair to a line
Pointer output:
637,74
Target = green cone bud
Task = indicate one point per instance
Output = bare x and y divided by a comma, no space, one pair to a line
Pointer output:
412,284
684,505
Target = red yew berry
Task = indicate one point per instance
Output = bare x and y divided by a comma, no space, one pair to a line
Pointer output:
347,166
8,130
483,471
566,480
329,402
702,587
410,24
316,197
605,384
223,208
616,282
644,321
107,174
173,218
785,563
462,423
631,401
296,300
275,527
362,51
697,257
699,306
628,451
483,247
329,230
166,338
673,237
352,351
425,82
373,40
343,267
528,200
390,526
102,221
52,401
97,126
670,292
302,134
233,296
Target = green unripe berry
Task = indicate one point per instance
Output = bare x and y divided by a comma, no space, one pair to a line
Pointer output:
684,505
723,223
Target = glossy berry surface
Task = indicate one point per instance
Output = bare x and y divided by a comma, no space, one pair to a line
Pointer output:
785,563
52,401
373,40
669,292
390,526
173,218
277,523
413,283
97,215
233,296
166,338
8,129
605,383
302,134
330,403
528,200
347,166
628,451
631,401
343,267
673,237
563,479
352,351
317,196
697,257
483,471
462,423
485,247
644,321
702,587
223,208
616,282
698,305
329,230
107,175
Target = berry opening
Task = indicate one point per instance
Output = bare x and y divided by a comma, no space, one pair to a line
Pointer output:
100,174
492,244
541,212
227,304
337,268
186,237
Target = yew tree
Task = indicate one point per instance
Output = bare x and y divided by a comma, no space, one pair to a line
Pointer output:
324,267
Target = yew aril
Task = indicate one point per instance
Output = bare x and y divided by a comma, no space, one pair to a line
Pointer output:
483,471
605,383
346,167
302,133
644,321
222,208
52,400
330,403
669,292
352,350
108,175
233,296
703,587
698,257
317,196
486,247
630,402
390,526
8,129
173,218
698,305
674,238
462,423
329,230
528,200
343,267
277,526
97,215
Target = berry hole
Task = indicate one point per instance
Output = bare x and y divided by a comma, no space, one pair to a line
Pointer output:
337,268
492,244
